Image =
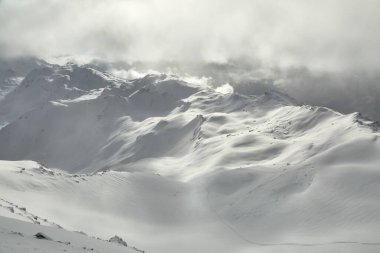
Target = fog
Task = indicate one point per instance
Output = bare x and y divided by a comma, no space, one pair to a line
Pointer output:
324,52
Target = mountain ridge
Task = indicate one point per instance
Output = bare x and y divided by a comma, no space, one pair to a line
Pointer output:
158,161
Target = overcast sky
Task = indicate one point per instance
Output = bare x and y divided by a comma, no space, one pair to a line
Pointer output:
325,34
321,52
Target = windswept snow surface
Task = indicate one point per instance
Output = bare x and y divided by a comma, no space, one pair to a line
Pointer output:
20,237
171,166
12,71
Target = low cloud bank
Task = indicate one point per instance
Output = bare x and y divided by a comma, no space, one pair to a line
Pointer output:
324,52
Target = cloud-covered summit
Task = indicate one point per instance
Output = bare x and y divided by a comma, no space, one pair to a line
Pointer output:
322,52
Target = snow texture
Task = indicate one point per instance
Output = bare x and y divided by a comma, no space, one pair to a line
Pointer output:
171,166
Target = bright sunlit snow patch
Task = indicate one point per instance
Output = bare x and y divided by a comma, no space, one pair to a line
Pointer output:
90,96
196,80
225,89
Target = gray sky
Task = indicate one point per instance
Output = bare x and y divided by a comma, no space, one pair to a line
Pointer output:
322,34
321,52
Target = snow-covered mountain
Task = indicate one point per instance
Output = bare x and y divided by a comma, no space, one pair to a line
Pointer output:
172,166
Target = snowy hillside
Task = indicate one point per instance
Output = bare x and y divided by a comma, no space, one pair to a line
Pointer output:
172,166
31,237
12,71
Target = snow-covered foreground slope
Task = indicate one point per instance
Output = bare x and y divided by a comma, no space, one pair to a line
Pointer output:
178,167
20,237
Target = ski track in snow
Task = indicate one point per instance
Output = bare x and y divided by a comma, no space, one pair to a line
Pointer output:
234,231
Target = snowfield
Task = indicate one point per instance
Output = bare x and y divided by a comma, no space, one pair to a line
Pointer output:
178,167
35,238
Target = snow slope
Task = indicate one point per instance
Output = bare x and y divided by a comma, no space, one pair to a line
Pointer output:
17,236
177,167
12,71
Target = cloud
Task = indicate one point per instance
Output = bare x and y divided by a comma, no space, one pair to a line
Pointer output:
322,52
324,34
